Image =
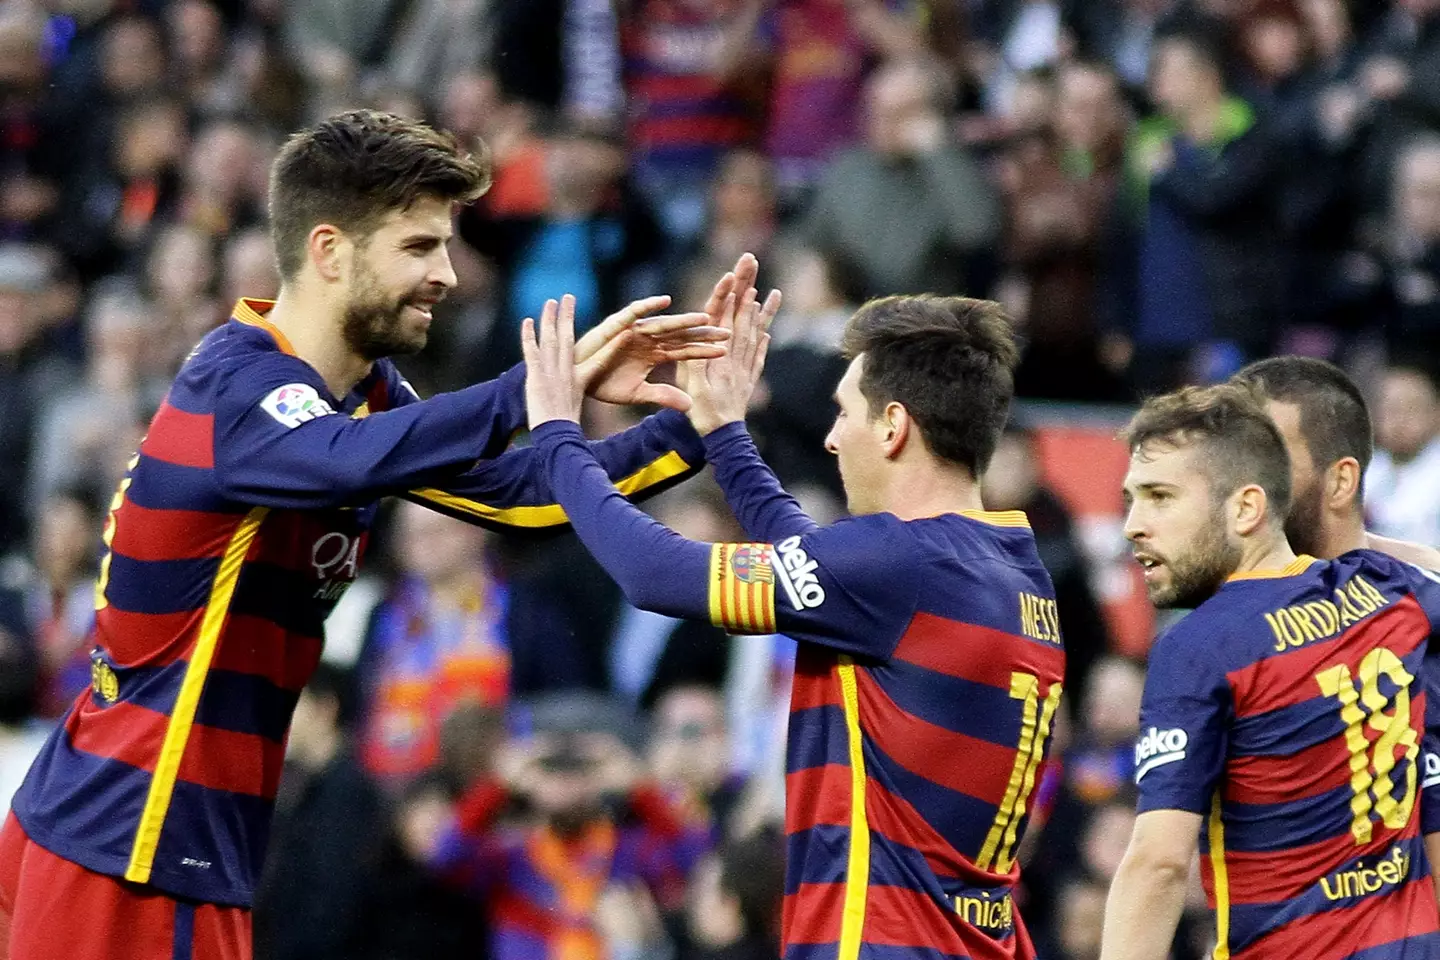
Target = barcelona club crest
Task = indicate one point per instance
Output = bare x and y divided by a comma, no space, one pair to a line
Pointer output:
751,564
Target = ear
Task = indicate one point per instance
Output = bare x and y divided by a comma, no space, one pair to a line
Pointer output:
326,248
1342,483
895,427
1251,509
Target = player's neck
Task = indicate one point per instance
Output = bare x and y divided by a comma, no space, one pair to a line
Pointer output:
931,491
312,323
1269,552
1341,533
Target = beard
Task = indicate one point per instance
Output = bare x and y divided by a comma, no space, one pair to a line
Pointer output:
1302,526
374,324
1196,576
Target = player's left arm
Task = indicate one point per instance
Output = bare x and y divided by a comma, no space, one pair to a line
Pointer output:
1179,761
512,491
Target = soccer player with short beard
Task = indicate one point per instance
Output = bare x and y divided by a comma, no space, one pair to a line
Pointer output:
1282,718
140,829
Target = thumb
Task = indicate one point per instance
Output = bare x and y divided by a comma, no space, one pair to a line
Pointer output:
602,360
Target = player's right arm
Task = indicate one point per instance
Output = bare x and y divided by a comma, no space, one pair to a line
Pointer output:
278,443
1179,760
1415,554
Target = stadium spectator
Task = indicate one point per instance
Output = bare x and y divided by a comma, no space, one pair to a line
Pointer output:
329,818
1204,174
734,902
910,210
21,734
1402,497
439,640
689,753
60,599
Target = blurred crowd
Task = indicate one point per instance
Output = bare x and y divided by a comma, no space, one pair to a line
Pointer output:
501,758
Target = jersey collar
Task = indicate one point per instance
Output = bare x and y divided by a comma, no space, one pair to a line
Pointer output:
1297,566
252,310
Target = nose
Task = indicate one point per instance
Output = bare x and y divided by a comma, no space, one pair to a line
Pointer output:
830,445
1134,529
443,272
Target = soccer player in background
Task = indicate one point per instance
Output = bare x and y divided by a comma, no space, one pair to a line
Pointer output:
1325,423
141,827
1282,718
930,658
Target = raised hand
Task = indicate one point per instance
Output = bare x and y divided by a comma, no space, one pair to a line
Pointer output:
552,389
617,355
720,389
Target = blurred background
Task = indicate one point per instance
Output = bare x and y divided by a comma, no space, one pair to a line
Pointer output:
500,758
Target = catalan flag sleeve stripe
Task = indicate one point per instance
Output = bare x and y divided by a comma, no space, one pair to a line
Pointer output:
742,587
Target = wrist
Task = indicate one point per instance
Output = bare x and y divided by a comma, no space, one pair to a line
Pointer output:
555,427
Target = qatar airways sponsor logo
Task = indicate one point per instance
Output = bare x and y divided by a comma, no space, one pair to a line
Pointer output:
1156,748
796,573
335,558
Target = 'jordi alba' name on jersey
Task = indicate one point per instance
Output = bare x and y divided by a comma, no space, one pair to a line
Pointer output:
1289,710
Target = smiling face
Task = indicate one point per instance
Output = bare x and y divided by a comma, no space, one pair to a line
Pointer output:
399,272
1176,525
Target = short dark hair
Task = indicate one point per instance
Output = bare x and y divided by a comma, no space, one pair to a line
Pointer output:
949,360
1334,419
353,168
1241,442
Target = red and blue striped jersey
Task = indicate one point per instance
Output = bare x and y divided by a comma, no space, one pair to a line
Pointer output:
928,676
240,523
1289,711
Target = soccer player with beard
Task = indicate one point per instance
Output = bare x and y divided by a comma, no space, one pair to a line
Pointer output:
141,827
1282,718
1324,421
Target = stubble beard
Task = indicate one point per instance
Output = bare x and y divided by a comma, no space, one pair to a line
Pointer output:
1195,577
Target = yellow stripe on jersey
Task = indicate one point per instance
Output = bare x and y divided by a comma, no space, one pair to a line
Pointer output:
552,514
108,536
857,867
1222,882
742,587
999,518
182,718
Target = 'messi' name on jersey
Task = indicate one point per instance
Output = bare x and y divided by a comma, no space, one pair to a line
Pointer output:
796,572
1155,748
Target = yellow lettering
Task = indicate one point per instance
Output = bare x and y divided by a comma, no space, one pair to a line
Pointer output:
1292,629
1362,601
1307,626
1327,618
1280,636
1027,617
1325,889
1389,872
1348,613
1369,590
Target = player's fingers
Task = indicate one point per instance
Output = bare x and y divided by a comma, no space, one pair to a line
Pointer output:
771,307
613,325
727,313
663,394
692,351
747,269
671,323
717,295
547,335
529,349
757,365
747,336
566,333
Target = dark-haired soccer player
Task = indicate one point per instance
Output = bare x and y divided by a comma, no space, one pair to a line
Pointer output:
141,827
1325,423
930,657
1282,719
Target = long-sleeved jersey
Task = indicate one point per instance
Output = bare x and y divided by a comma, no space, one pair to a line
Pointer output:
1289,711
240,523
927,681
